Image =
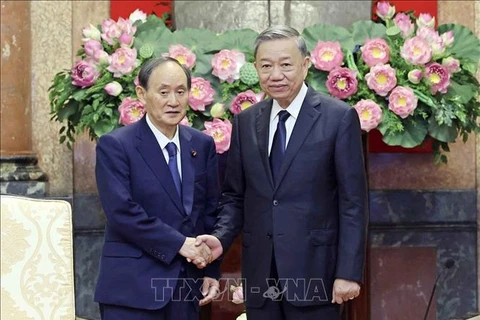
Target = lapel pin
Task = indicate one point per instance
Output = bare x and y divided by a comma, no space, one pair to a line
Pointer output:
194,153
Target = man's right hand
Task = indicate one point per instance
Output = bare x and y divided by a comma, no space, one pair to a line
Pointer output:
201,253
212,242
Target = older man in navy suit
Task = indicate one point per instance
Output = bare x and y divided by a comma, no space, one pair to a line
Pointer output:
295,187
158,185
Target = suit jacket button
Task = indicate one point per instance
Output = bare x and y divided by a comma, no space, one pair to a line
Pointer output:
269,235
162,257
275,203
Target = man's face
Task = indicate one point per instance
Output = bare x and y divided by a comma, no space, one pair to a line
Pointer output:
166,98
281,69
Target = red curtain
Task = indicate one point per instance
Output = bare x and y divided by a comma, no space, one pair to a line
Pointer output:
123,8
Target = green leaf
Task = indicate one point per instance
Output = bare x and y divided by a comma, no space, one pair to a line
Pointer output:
198,123
317,79
203,65
102,127
195,39
69,109
326,32
393,31
465,45
460,93
415,131
469,66
155,33
363,30
95,104
442,132
241,40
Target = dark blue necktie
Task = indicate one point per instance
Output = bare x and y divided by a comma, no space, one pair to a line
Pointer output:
172,165
278,146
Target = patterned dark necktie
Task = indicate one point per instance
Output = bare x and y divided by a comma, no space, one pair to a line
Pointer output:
172,165
278,146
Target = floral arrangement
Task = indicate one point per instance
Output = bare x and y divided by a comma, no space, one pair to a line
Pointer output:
237,298
409,80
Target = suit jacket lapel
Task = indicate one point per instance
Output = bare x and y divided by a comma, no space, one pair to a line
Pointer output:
150,151
262,123
309,114
188,171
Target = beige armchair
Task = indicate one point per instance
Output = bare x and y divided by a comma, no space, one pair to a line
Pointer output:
37,277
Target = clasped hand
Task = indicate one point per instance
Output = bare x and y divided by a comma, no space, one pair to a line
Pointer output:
202,250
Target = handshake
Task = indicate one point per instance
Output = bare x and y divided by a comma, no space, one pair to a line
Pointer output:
201,250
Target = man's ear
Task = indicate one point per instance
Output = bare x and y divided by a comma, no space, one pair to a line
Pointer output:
306,66
141,94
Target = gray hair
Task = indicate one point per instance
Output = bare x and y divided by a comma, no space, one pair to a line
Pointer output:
280,32
152,64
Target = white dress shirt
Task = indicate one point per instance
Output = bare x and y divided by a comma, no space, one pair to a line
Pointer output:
293,109
163,141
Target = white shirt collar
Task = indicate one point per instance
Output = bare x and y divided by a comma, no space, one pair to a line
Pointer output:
294,107
161,138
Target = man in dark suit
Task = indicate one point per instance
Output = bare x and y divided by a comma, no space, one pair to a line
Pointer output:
158,185
295,187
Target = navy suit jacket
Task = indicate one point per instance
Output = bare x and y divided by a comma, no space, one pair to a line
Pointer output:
147,222
314,218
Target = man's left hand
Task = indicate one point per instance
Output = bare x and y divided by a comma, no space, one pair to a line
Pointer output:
344,290
210,289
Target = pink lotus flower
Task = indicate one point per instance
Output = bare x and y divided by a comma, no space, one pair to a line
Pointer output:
438,77
137,15
201,94
92,46
91,33
425,20
245,100
402,101
110,31
126,40
131,110
405,24
101,57
375,51
226,65
84,74
452,64
217,110
448,38
369,113
327,55
221,132
113,88
385,10
427,33
237,296
126,27
91,61
342,82
185,122
123,61
136,82
381,79
416,51
433,39
415,76
183,55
